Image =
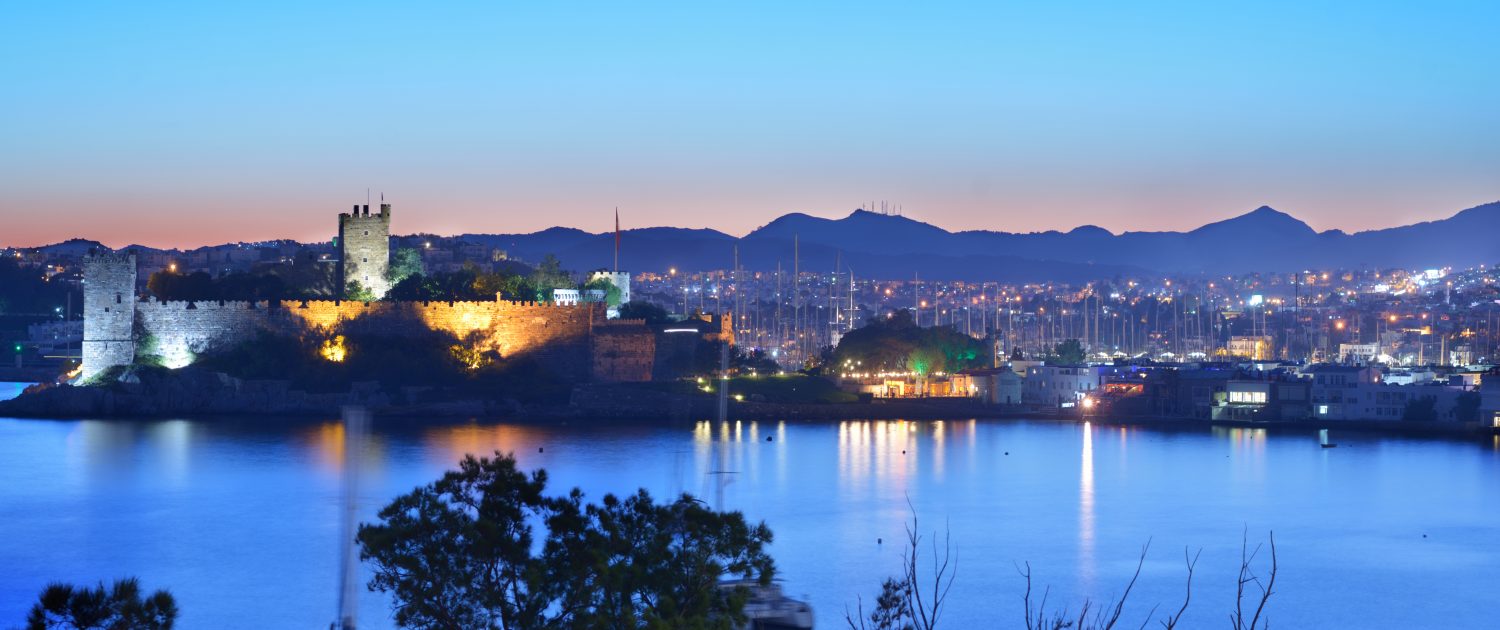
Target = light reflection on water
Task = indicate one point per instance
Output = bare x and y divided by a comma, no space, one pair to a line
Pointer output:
1086,508
231,514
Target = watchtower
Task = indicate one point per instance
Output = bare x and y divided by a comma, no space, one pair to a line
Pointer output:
108,312
621,280
365,248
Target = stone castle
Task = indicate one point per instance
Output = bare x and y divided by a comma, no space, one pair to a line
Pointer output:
575,339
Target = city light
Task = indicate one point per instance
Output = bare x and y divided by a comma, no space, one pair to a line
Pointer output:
334,350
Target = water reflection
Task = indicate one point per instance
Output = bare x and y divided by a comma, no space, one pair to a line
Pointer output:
176,501
176,440
939,449
729,458
1086,562
449,444
874,452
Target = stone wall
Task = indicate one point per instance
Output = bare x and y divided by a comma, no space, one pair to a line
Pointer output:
365,248
557,335
108,312
624,350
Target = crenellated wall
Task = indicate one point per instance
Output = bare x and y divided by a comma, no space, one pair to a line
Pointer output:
558,335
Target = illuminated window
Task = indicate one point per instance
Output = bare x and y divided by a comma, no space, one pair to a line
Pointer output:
1253,398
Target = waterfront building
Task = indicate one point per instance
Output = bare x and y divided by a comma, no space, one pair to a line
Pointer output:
1061,385
1264,399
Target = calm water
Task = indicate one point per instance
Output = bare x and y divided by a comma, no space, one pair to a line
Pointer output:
11,390
239,518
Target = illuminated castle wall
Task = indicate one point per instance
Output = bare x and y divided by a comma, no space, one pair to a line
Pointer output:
117,326
559,335
179,332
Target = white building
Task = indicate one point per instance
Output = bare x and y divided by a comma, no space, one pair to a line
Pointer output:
1359,393
1057,385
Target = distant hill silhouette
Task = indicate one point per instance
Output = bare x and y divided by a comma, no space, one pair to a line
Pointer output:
893,247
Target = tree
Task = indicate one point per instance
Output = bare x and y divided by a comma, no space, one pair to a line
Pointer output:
191,287
913,600
461,553
354,291
611,292
925,360
1466,408
897,343
549,275
755,360
654,315
1422,409
120,607
405,262
1069,352
27,290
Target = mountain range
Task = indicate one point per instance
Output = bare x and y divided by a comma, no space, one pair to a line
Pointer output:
886,246
875,245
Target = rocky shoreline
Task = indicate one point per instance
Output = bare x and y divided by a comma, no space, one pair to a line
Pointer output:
191,392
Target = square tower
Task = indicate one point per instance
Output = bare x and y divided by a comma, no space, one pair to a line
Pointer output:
365,249
621,280
108,312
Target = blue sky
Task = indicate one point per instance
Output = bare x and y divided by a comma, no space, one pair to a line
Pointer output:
190,123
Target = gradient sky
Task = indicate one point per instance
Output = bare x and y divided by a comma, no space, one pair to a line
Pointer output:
180,124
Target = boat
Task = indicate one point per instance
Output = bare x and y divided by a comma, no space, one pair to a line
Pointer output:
768,609
1323,439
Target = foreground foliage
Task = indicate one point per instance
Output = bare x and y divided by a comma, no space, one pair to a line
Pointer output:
462,552
915,598
120,607
451,368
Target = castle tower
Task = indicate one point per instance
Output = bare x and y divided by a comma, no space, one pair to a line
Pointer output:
621,280
365,249
108,312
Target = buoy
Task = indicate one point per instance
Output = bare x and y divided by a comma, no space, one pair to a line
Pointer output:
879,541
768,438
1007,452
539,449
903,452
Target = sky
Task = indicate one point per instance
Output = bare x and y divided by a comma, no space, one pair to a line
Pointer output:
182,124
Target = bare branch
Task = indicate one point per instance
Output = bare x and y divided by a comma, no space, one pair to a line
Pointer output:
1119,607
1192,562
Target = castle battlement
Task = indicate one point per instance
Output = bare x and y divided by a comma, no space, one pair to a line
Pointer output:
205,305
180,330
109,258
